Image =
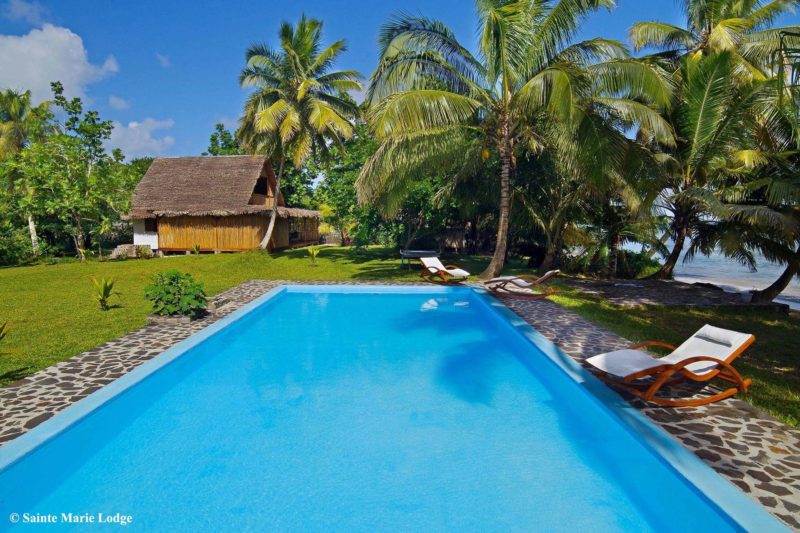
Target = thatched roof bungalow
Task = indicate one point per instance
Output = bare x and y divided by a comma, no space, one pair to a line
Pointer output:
217,203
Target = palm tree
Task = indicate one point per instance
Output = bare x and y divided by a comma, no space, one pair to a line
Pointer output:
762,203
714,115
299,107
436,106
739,27
20,122
719,61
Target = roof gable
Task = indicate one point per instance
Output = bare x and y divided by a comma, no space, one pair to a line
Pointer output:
199,184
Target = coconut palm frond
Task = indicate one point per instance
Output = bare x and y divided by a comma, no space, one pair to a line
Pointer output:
415,111
660,36
633,79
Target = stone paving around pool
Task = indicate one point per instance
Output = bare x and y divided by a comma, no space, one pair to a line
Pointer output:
748,447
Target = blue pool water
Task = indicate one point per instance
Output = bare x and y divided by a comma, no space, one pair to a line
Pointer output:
332,411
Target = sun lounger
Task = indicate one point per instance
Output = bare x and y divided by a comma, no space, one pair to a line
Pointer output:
506,285
702,357
432,269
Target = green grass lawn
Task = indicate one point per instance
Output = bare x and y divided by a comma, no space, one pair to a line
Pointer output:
52,314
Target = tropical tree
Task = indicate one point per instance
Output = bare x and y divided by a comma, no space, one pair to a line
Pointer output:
436,105
299,107
720,61
83,186
20,123
222,142
762,203
742,28
713,115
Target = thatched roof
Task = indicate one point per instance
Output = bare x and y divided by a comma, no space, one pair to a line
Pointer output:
203,186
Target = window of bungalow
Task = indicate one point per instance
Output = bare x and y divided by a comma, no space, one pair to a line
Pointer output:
151,225
261,186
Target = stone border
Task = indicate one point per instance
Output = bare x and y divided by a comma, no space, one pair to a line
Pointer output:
751,449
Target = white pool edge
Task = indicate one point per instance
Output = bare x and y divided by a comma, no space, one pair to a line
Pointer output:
739,507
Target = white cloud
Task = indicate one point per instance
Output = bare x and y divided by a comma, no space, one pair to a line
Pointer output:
31,12
118,103
163,60
34,60
137,139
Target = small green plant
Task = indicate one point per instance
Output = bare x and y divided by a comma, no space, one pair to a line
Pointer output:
85,253
103,291
313,252
145,252
196,249
176,293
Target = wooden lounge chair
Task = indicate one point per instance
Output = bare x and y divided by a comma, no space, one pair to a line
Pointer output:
702,357
500,285
449,274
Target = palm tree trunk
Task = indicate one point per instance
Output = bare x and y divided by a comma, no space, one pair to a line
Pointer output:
80,239
34,235
264,244
499,257
770,293
549,259
552,251
613,256
668,268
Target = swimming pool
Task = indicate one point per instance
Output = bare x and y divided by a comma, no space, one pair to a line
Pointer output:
365,409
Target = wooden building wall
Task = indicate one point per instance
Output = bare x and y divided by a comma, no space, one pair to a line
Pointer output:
224,234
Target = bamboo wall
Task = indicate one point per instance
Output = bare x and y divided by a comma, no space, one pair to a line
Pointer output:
303,230
224,234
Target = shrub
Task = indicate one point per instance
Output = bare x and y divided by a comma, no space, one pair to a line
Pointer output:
144,251
15,245
313,252
636,265
630,264
176,293
196,249
103,291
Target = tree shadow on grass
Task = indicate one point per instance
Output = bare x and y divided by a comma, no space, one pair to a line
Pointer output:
14,374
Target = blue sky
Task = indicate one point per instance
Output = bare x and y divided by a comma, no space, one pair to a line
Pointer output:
167,71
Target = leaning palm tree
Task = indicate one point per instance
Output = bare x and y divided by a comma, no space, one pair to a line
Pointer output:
21,122
762,202
299,107
436,106
737,38
713,115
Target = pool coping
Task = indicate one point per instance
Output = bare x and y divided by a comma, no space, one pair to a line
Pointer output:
729,499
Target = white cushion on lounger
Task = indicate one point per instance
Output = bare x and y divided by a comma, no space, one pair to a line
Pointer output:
623,362
434,262
520,282
517,281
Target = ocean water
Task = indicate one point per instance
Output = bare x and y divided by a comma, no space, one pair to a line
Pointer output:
734,277
383,411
